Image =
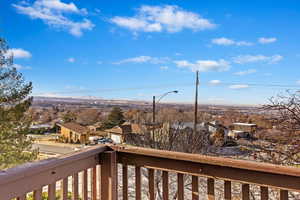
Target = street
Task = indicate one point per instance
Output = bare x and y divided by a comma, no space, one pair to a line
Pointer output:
51,149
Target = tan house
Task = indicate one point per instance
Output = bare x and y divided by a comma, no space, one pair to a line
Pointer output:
242,130
118,133
74,133
95,127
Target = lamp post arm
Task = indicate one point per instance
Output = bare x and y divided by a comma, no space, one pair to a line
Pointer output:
162,96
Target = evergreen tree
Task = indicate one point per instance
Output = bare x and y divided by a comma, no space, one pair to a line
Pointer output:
114,118
15,146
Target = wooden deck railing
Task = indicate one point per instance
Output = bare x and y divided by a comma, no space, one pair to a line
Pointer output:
96,175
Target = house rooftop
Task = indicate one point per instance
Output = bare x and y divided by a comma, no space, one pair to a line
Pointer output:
74,127
243,124
115,129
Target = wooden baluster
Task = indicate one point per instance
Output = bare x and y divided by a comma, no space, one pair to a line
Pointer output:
138,191
99,180
195,188
65,189
51,191
227,190
211,189
180,187
165,184
284,195
37,194
151,184
23,197
264,193
116,180
108,175
85,185
125,182
75,187
94,182
245,192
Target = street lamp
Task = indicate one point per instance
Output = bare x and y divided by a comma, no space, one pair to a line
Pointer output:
153,108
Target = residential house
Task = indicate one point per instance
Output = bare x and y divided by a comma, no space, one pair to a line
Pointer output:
74,133
242,130
95,127
118,133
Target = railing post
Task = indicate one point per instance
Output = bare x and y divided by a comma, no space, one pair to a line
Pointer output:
108,175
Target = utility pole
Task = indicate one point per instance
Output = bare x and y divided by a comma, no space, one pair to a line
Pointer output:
196,103
153,118
154,111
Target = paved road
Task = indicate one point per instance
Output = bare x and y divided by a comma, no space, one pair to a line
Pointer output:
51,149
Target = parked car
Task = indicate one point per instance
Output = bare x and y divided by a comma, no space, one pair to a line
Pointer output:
104,140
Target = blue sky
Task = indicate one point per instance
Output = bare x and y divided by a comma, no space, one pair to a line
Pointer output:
246,51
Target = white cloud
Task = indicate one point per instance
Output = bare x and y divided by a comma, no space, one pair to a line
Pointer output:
223,41
243,43
204,65
71,60
227,42
242,73
263,40
215,82
242,59
267,74
19,53
74,88
163,18
239,86
298,82
53,13
17,66
50,94
143,59
216,99
21,67
164,67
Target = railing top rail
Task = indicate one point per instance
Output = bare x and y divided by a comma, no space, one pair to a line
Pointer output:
30,169
212,160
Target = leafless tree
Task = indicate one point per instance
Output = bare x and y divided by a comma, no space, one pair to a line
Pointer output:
283,146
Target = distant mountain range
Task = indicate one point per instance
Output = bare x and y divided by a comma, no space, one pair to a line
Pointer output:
41,100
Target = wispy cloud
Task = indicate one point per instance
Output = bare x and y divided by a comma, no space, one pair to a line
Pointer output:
71,60
216,99
228,42
17,66
164,67
167,18
204,65
238,86
55,13
21,67
215,82
48,94
143,59
264,40
74,88
19,53
243,59
246,72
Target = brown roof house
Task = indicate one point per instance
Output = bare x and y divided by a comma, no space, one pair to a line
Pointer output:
74,133
95,127
118,133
